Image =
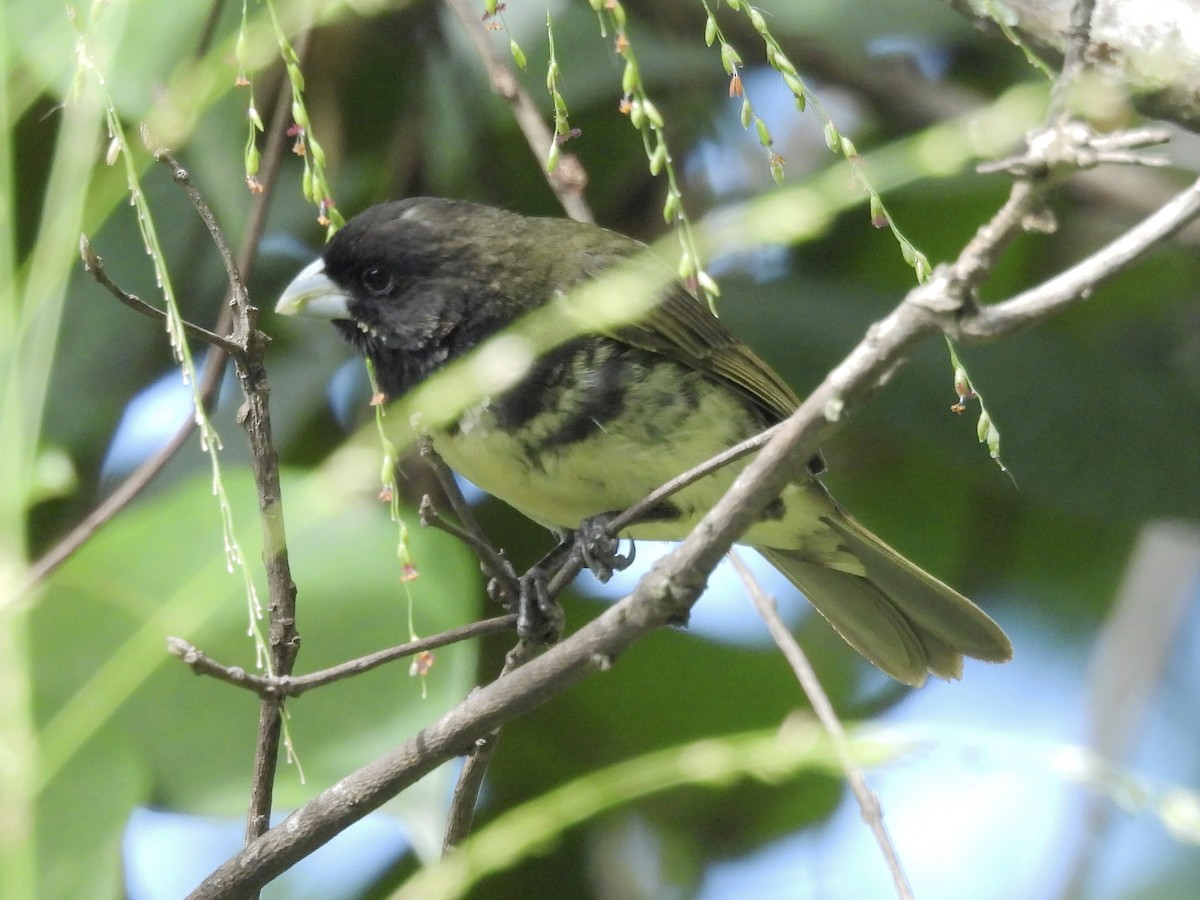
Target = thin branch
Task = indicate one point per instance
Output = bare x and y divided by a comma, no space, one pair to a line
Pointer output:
868,800
465,799
1079,36
490,558
285,686
245,314
93,264
283,639
450,488
494,562
691,476
568,178
210,378
1049,299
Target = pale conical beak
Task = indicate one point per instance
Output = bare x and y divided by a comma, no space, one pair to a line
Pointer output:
312,293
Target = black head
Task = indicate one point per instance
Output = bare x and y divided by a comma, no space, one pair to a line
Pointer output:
414,283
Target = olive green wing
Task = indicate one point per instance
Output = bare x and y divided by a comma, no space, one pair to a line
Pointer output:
680,327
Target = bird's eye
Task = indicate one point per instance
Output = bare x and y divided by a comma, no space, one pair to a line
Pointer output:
377,280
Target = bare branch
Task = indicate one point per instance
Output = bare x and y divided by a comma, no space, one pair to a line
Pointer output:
1073,146
465,799
494,562
569,177
284,686
1077,283
283,639
470,780
93,264
868,800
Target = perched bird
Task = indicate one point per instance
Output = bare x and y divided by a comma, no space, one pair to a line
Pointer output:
599,421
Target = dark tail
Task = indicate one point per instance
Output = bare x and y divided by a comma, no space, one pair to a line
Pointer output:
897,615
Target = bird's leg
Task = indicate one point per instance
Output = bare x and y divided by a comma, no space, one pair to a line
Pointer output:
540,619
598,549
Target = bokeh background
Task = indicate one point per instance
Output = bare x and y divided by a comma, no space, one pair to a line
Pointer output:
1070,772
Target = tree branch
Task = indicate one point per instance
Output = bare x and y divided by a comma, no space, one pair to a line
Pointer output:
1036,305
283,639
569,177
868,800
93,264
1133,46
284,686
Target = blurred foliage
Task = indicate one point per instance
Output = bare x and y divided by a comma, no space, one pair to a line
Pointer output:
1100,411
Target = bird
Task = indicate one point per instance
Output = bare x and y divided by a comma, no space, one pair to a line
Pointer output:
598,421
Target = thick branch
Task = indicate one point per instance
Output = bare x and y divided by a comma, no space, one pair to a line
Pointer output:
1149,49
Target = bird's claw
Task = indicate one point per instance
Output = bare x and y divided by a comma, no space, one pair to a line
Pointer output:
540,619
599,550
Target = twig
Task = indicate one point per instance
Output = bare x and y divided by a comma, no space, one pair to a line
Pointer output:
285,686
1074,146
868,800
93,264
494,563
663,596
1079,37
465,798
691,476
283,639
210,379
569,177
449,487
1051,297
489,557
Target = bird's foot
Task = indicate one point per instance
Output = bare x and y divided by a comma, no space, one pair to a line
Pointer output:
540,619
599,550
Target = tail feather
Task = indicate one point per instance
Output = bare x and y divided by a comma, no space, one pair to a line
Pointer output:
900,617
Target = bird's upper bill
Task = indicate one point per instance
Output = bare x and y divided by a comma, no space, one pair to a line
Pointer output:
313,293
